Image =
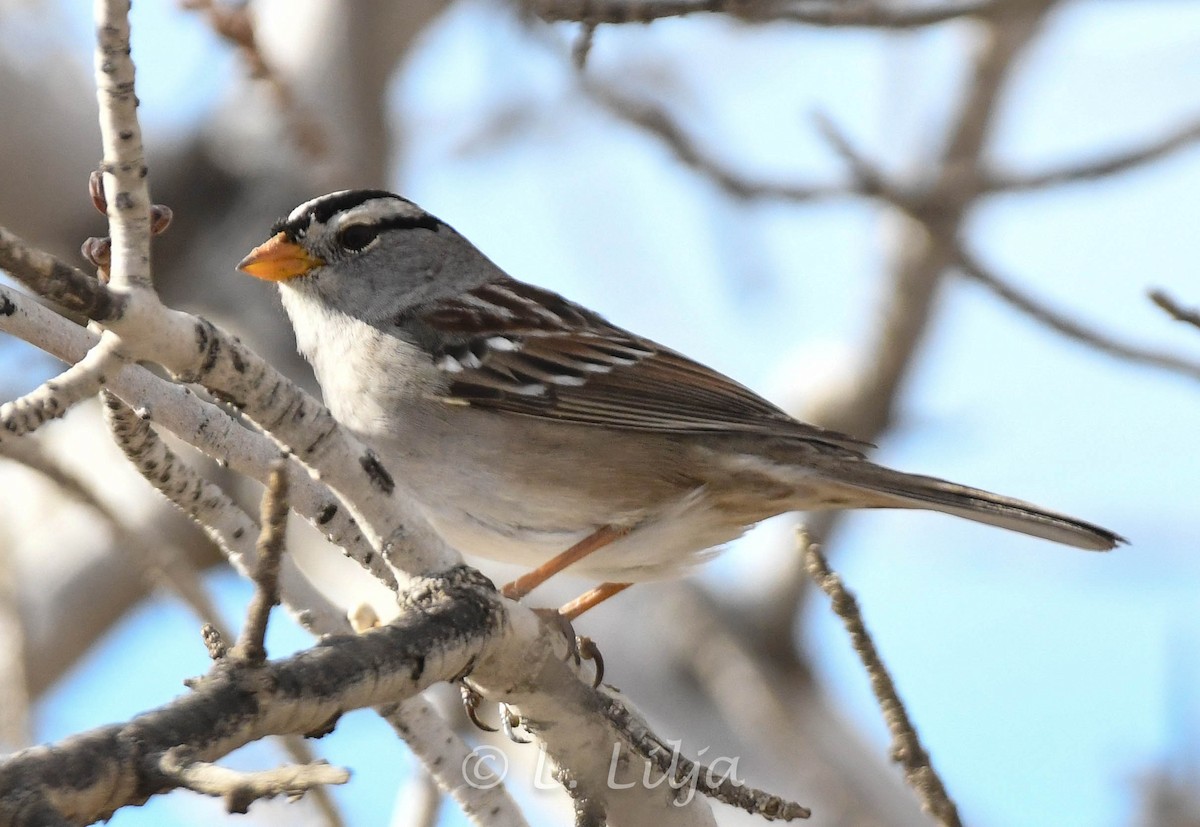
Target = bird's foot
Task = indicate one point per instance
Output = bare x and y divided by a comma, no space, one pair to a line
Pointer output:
579,649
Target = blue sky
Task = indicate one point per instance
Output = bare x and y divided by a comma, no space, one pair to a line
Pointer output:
1045,682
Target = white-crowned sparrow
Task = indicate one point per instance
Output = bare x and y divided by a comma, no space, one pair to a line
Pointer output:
524,424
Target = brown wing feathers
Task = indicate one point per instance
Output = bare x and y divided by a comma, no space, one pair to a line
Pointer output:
525,350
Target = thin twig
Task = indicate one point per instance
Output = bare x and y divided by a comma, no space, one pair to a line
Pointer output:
300,751
906,745
685,776
1061,323
1174,309
657,122
241,789
54,397
235,24
582,47
831,14
126,190
228,525
868,177
1177,139
250,646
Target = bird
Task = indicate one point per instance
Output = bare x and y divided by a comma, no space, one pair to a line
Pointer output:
529,429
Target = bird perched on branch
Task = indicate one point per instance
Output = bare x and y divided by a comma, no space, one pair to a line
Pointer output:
530,430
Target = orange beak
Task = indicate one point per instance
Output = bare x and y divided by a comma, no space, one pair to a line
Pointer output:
278,260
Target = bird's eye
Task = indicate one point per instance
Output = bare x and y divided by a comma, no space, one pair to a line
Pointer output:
357,236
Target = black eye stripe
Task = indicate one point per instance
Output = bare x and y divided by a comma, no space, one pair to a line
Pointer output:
423,221
356,237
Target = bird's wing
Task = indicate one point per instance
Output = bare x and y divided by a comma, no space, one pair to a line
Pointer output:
509,346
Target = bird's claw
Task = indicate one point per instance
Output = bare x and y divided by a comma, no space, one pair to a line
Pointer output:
579,648
588,650
509,720
471,701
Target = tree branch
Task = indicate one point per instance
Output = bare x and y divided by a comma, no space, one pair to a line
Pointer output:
1072,329
55,397
921,253
67,286
1175,140
250,646
227,524
688,776
444,758
906,744
162,562
877,15
197,351
1174,309
241,789
657,122
446,623
206,426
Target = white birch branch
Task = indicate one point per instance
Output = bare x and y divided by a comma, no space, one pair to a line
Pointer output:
241,789
178,409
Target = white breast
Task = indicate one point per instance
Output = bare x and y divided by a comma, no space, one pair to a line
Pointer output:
365,374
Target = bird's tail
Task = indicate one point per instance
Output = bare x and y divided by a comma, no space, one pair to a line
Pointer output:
896,489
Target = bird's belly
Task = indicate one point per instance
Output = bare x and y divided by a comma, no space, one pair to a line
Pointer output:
528,504
662,542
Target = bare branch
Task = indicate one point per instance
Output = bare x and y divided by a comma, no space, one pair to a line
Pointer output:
298,748
444,757
235,24
906,745
582,47
124,164
1064,324
68,287
241,789
868,178
685,775
1176,311
877,15
1175,140
920,254
250,646
53,398
446,623
773,703
657,122
227,524
206,426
